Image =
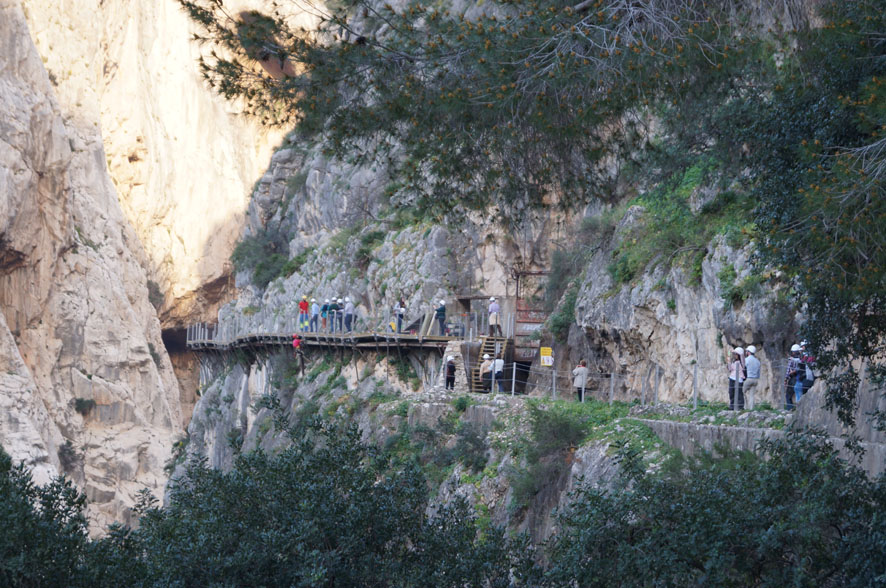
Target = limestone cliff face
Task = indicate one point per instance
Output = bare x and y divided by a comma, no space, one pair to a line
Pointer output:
663,320
180,158
87,387
310,200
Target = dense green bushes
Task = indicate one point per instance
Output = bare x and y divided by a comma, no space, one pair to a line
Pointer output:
263,254
802,518
330,511
671,231
555,428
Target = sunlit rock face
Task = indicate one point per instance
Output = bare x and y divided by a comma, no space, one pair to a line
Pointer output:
181,159
86,386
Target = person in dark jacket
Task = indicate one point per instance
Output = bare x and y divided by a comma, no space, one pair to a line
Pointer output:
334,312
324,311
450,372
440,314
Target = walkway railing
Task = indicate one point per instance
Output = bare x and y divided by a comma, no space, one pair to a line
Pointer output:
269,323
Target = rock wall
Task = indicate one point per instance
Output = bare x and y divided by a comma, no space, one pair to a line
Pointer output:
181,158
328,207
88,389
662,320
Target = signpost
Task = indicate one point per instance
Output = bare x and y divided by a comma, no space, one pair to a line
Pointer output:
547,356
547,360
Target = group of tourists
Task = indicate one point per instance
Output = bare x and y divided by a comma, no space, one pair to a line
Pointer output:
492,371
743,368
334,315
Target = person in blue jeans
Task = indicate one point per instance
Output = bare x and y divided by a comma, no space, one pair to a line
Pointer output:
315,315
498,371
792,379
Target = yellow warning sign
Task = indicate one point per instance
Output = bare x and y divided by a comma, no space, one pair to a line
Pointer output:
547,356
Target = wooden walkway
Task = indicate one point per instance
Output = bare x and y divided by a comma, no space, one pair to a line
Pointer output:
374,341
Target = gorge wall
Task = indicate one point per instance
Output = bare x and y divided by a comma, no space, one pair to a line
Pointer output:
89,390
109,221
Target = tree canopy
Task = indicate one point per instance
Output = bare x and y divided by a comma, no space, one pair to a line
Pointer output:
330,511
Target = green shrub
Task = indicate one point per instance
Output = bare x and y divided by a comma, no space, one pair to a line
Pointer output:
461,403
555,428
154,355
84,405
268,269
405,372
155,294
470,447
235,439
368,242
670,232
179,453
296,263
261,254
296,182
401,410
68,457
565,315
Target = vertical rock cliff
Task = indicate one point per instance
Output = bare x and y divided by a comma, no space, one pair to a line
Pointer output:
128,70
87,388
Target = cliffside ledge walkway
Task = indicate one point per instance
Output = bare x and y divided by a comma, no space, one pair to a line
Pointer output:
266,332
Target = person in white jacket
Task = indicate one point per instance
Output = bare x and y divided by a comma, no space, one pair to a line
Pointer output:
750,384
580,379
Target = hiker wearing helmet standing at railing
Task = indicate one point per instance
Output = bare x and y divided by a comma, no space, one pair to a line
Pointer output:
349,315
749,387
440,315
793,388
339,314
315,315
333,314
494,317
736,377
324,310
303,313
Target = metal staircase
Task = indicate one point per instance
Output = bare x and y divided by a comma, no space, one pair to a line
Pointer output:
496,347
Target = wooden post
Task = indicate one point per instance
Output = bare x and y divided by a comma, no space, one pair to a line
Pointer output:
611,388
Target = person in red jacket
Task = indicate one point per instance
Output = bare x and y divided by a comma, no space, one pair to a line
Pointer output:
299,355
303,308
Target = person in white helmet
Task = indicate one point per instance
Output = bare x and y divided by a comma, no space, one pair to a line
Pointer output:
494,317
486,373
324,312
752,365
315,315
349,315
792,379
334,309
450,372
807,367
736,377
339,313
440,315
